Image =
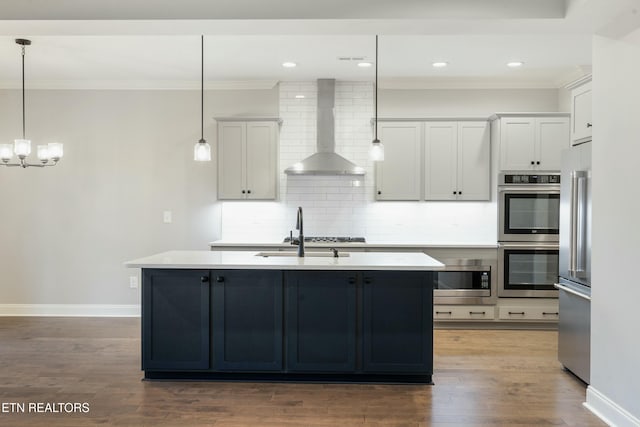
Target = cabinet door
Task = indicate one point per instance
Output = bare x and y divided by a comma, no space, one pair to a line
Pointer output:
440,158
261,160
552,136
175,319
321,321
231,160
398,322
247,320
517,143
398,176
474,161
581,126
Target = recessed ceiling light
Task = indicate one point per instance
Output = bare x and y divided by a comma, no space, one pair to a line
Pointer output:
299,96
289,64
365,64
440,64
515,64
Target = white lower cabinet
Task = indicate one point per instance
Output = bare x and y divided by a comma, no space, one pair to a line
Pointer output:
463,312
547,312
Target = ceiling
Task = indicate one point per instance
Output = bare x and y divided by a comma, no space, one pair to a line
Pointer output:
85,47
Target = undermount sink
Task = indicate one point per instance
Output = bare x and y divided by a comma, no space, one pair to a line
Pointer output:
306,254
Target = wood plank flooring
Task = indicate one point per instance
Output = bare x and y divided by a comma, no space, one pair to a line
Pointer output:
482,378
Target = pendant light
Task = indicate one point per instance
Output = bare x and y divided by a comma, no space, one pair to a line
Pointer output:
202,149
376,153
22,147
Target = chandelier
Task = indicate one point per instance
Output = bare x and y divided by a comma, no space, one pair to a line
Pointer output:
22,147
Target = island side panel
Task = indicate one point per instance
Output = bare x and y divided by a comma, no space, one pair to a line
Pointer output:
175,319
398,322
247,320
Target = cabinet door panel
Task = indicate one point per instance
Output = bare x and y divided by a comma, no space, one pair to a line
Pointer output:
231,160
261,160
247,320
440,154
474,174
552,136
175,319
397,322
398,176
321,321
581,128
517,143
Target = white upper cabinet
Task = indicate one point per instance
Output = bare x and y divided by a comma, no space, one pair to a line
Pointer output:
532,142
457,160
247,160
398,176
581,122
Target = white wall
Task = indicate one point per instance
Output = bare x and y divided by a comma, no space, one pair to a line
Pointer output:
615,346
344,206
65,231
464,102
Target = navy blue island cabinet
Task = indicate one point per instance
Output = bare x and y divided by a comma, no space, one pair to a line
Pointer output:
251,324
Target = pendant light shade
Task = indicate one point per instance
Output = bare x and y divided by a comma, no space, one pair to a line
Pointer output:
22,147
202,149
376,152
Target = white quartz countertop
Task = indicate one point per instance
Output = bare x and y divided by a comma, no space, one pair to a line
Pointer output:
371,245
249,260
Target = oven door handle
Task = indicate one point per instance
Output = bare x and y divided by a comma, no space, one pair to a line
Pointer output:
526,245
571,291
555,189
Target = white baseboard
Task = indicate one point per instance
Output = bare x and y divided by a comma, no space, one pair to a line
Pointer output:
70,310
608,411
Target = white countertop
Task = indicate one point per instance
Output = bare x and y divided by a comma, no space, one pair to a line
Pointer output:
249,260
376,245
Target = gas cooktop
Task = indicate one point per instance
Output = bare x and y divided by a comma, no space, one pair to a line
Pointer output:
324,239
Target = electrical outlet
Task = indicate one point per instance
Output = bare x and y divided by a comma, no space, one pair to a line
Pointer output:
133,282
166,216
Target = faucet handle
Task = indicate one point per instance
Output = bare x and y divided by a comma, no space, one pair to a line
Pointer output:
335,252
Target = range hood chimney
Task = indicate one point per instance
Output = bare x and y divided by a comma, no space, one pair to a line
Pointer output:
325,161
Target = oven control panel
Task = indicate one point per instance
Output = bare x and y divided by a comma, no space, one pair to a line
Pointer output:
531,179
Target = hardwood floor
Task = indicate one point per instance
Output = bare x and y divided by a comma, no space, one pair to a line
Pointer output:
482,378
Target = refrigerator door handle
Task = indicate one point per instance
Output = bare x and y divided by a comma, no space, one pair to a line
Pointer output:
571,291
573,225
580,255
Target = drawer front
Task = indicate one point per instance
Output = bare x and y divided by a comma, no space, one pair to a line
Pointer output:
528,313
463,312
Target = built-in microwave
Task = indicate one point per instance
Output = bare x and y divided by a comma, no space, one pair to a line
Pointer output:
528,269
465,281
528,207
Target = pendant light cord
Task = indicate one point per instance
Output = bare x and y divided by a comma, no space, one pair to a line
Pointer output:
202,88
376,94
23,109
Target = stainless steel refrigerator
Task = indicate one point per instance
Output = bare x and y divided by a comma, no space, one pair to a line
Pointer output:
574,326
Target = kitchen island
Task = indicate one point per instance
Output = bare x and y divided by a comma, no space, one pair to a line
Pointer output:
264,316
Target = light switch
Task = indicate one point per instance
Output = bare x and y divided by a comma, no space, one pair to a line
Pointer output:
133,282
167,217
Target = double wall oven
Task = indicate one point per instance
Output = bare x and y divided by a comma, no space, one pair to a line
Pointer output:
528,231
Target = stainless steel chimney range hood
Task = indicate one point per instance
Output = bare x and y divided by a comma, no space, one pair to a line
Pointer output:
325,161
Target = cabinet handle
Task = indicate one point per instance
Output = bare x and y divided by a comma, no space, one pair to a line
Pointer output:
243,191
517,312
204,279
368,280
220,279
459,193
478,312
547,313
379,192
538,162
532,162
352,280
589,125
249,191
455,192
443,312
